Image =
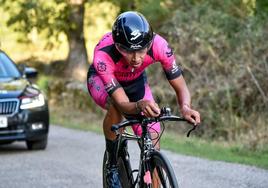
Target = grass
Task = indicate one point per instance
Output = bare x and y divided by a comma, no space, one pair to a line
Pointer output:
193,146
73,120
214,150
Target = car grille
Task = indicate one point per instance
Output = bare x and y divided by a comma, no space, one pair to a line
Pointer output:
8,106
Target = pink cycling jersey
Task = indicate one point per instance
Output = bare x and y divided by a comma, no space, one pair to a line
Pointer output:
114,71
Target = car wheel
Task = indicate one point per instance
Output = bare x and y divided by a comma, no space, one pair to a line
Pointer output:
36,144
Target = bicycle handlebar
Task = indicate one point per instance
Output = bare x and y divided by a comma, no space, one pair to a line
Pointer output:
164,116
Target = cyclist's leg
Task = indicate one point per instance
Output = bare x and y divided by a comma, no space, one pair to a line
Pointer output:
112,116
153,128
97,90
100,96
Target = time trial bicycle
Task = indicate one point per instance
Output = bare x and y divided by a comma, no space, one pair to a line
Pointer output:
154,168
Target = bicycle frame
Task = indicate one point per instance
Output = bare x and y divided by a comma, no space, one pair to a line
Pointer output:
145,143
146,148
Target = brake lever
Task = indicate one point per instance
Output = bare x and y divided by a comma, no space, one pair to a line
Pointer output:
192,129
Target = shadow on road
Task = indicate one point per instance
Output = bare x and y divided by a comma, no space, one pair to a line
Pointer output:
16,147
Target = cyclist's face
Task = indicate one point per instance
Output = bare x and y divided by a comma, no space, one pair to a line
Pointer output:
134,59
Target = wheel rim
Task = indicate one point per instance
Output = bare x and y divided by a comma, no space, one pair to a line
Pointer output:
161,177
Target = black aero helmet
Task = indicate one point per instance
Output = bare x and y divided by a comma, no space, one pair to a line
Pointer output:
131,31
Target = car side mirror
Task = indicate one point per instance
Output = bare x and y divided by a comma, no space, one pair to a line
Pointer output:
30,72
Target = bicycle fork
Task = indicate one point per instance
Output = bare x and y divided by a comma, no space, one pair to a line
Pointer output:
144,174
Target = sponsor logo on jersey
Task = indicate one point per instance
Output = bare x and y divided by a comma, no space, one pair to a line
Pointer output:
169,51
101,66
92,83
135,34
109,87
175,67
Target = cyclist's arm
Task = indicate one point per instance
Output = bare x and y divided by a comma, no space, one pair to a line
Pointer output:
182,92
149,108
164,54
184,99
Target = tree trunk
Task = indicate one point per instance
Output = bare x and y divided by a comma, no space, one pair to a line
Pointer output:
77,58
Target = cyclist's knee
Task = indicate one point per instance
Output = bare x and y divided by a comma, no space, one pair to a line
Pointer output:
157,146
113,114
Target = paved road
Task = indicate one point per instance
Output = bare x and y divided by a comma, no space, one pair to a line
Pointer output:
73,159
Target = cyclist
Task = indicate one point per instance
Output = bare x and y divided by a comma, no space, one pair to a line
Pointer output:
117,80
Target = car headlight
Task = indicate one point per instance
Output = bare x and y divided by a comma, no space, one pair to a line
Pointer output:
32,102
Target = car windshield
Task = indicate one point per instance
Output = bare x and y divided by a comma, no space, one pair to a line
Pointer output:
7,67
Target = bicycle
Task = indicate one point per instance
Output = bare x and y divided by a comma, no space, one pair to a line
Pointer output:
154,167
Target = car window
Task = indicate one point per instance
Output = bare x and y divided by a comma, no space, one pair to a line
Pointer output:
7,67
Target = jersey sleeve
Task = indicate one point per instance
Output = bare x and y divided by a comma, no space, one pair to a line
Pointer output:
104,67
164,54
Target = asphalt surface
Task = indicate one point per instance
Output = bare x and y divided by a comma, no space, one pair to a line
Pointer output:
74,159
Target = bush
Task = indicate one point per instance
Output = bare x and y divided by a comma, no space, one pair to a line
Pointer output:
70,95
224,58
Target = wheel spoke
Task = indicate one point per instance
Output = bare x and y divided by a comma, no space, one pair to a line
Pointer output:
162,173
164,178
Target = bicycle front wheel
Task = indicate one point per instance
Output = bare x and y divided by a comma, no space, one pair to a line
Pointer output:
124,168
104,169
162,173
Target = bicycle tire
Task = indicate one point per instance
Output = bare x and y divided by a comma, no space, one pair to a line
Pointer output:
104,170
124,169
165,174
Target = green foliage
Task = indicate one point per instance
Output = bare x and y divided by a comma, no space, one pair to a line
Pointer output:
98,22
47,17
43,83
262,7
225,64
154,10
237,8
70,94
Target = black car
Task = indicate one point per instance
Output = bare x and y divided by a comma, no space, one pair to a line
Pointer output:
24,114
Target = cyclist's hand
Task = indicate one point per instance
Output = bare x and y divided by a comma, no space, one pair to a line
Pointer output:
191,115
149,108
